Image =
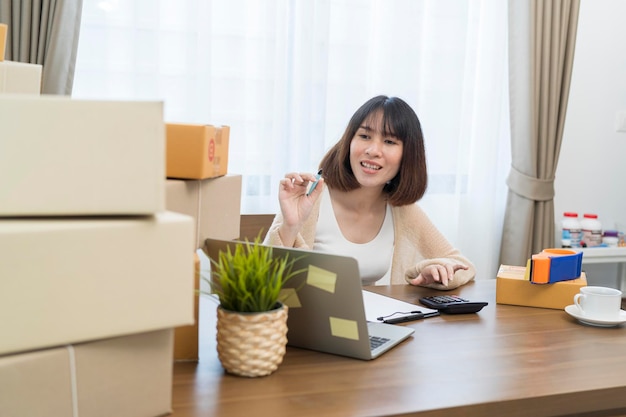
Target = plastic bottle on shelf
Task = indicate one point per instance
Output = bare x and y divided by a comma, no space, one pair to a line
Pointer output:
610,238
571,230
592,230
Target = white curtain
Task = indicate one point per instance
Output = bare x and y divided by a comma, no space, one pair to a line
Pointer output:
286,75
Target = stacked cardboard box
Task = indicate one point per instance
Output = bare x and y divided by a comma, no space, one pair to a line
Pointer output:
65,157
199,185
3,39
95,273
17,77
20,77
124,376
214,203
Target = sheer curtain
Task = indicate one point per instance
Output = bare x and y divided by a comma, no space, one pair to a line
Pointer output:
286,75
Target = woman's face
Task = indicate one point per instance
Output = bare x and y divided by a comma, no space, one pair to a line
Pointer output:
374,158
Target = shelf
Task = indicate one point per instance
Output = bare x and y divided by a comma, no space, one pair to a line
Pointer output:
602,255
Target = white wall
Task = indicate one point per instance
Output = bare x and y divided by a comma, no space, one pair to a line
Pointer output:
591,172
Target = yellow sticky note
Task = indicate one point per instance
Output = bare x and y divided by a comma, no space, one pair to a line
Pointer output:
289,297
347,329
321,278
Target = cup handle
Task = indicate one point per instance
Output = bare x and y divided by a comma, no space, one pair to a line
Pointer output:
577,302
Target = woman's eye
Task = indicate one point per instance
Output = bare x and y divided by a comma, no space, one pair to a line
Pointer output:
363,136
391,141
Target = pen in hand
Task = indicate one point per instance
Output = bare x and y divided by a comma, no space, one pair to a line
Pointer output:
317,179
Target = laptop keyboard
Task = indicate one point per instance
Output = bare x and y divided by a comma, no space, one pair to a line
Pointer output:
376,341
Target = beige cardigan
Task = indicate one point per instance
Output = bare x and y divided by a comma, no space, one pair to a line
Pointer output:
418,243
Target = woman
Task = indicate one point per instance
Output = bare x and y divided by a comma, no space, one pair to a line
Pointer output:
374,176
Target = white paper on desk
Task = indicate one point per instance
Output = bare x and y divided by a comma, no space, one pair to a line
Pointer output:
377,305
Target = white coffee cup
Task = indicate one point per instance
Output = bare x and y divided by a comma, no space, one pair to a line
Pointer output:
601,303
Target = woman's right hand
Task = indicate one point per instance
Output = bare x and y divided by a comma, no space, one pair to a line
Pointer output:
295,205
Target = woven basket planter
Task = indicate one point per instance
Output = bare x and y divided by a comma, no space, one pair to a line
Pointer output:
251,344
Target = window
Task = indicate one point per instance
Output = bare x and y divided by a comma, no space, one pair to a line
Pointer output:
287,76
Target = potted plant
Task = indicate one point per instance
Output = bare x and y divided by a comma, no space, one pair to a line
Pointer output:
251,317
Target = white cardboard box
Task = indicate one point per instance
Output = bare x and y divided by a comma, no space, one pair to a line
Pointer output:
73,280
214,203
20,78
60,156
128,376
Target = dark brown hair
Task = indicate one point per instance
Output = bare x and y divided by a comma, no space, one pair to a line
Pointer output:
399,120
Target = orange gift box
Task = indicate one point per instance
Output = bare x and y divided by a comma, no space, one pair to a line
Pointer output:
196,151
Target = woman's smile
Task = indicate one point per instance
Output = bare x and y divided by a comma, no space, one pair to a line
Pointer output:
375,155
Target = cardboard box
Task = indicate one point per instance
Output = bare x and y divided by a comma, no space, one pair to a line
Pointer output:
3,40
73,280
214,203
60,156
196,151
20,77
512,288
186,338
124,377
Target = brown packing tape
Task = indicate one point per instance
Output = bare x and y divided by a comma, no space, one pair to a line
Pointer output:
222,139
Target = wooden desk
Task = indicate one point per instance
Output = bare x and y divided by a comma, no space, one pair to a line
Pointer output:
503,361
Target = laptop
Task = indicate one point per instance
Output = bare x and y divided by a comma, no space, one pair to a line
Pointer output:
326,307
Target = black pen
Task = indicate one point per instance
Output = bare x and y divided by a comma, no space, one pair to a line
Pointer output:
411,317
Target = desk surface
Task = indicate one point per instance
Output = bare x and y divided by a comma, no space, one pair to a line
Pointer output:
505,360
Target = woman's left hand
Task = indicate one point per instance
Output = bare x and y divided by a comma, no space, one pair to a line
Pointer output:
437,274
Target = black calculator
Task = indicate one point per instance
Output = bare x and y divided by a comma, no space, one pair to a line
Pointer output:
452,304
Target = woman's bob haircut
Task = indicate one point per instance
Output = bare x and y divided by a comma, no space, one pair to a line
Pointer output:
399,120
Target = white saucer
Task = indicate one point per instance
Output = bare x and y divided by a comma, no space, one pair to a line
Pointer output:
573,311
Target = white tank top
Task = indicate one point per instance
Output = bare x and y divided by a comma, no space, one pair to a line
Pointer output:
373,257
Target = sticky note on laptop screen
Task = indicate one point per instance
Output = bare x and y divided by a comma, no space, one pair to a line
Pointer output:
348,329
289,296
321,278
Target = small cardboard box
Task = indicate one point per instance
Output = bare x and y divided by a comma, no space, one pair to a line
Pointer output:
196,151
66,157
20,77
214,203
75,280
124,377
512,288
3,40
186,338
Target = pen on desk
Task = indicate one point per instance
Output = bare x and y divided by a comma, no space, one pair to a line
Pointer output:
317,179
411,317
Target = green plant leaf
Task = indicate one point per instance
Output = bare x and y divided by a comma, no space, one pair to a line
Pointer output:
249,278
